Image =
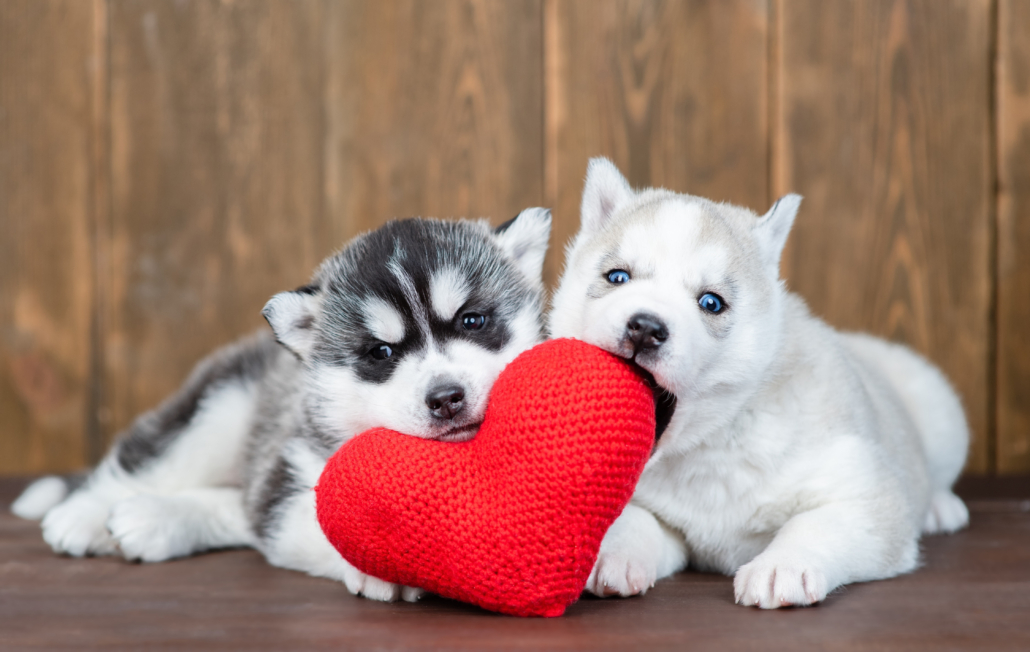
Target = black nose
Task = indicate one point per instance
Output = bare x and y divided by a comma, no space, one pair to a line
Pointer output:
446,401
645,332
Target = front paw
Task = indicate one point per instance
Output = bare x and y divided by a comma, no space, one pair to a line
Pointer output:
151,528
772,581
622,573
374,588
77,527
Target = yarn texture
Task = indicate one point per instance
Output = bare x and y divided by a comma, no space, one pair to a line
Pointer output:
512,520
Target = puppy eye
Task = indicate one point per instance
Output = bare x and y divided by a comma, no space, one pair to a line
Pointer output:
712,303
618,276
472,321
381,352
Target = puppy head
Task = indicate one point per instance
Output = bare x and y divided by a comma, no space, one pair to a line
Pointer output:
409,326
687,288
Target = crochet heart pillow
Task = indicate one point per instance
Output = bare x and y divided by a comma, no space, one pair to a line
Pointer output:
513,519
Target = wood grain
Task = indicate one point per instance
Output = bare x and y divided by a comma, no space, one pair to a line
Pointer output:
884,127
972,592
1013,107
166,166
432,110
47,67
673,92
216,150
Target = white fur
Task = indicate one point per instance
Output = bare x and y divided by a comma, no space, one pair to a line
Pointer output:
448,292
798,459
300,544
525,240
154,527
399,403
80,525
39,497
190,496
383,320
605,192
292,315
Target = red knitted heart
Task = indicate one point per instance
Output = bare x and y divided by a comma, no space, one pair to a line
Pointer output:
511,520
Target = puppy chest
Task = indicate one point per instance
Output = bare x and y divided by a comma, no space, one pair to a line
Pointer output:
724,524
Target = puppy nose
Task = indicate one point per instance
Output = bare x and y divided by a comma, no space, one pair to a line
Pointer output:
446,401
646,331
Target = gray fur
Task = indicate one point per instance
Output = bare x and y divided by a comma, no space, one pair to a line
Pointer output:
233,455
245,362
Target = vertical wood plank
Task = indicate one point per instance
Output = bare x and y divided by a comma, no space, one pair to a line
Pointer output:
673,92
884,127
1013,362
433,109
216,150
47,69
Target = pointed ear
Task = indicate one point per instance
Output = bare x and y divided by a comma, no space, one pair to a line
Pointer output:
772,229
292,317
605,191
525,238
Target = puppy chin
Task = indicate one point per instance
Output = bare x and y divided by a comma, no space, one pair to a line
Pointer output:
458,434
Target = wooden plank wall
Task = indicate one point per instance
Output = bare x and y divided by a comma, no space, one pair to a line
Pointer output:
166,166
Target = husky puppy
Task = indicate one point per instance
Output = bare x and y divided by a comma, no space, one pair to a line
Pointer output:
797,458
407,327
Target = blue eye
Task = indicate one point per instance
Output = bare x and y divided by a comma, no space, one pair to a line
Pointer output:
381,352
712,303
471,321
618,276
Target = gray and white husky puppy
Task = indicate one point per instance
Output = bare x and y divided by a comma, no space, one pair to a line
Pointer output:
407,327
797,458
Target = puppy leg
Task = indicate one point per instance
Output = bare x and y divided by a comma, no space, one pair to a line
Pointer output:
819,550
194,439
947,514
77,526
295,540
636,551
152,527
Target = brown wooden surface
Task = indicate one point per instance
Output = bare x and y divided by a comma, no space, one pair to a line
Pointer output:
432,109
673,92
165,166
1013,110
884,109
47,63
216,141
972,593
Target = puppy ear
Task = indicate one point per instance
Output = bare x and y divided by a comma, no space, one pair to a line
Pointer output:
292,317
772,229
605,191
525,238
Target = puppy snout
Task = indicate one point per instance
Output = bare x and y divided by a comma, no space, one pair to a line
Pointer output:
445,401
646,331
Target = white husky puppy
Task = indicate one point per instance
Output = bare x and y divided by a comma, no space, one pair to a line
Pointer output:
797,458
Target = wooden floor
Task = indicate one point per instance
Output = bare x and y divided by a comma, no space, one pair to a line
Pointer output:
972,593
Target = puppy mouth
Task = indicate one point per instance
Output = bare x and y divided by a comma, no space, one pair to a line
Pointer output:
458,434
664,400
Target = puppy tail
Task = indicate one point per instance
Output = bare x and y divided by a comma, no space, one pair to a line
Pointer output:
39,497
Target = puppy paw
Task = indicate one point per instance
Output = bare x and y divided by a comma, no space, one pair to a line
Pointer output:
772,581
947,514
374,588
150,528
77,527
621,573
411,593
377,589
